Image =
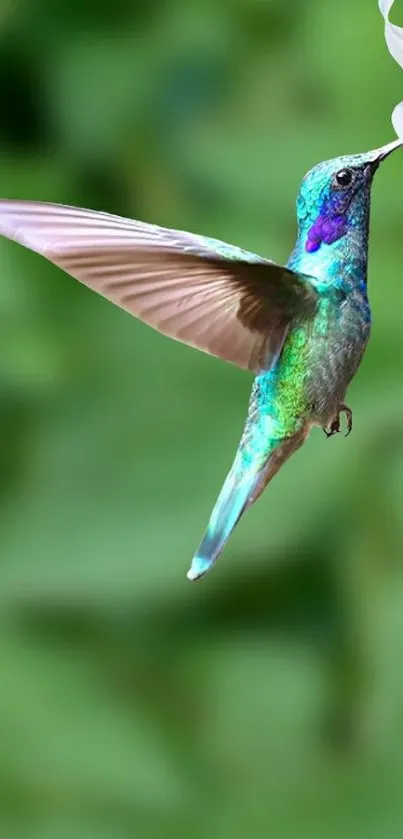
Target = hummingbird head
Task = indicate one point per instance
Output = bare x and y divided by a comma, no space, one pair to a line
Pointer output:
334,199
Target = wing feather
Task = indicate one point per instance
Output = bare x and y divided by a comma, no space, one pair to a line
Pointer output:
210,295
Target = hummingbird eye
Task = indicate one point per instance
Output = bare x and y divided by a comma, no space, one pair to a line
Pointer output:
344,177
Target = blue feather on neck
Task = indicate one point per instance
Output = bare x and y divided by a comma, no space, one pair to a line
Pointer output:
333,226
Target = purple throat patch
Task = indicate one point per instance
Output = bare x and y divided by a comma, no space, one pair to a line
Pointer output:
326,229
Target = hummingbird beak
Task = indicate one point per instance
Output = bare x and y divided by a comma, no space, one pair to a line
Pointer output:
379,154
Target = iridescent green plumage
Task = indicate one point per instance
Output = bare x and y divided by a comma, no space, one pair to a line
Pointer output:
302,327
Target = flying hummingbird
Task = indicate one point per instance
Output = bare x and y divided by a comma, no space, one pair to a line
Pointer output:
301,328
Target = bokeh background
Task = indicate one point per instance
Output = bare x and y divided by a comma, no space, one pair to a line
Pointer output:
268,699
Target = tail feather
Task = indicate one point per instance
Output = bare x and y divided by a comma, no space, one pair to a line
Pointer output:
241,488
228,509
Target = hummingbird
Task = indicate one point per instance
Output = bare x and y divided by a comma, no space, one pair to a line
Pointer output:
301,328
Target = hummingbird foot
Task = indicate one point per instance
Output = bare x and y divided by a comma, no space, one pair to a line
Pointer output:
334,427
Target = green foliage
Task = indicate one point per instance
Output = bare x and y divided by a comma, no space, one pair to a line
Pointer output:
267,699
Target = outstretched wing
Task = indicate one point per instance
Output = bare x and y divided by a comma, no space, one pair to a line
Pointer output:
218,298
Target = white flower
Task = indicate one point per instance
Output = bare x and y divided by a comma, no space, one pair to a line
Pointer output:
394,40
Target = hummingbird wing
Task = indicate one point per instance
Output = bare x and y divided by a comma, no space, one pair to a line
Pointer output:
210,295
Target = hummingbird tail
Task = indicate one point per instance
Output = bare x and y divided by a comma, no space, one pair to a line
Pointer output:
241,488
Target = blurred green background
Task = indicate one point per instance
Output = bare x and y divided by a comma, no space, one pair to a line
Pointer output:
268,699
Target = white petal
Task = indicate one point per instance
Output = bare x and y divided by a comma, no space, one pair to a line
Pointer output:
397,119
394,41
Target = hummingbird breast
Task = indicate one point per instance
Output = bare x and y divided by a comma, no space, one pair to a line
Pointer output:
336,343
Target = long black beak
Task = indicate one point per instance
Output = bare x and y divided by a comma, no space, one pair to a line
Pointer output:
385,151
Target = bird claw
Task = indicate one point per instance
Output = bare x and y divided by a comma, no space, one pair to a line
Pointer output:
334,427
